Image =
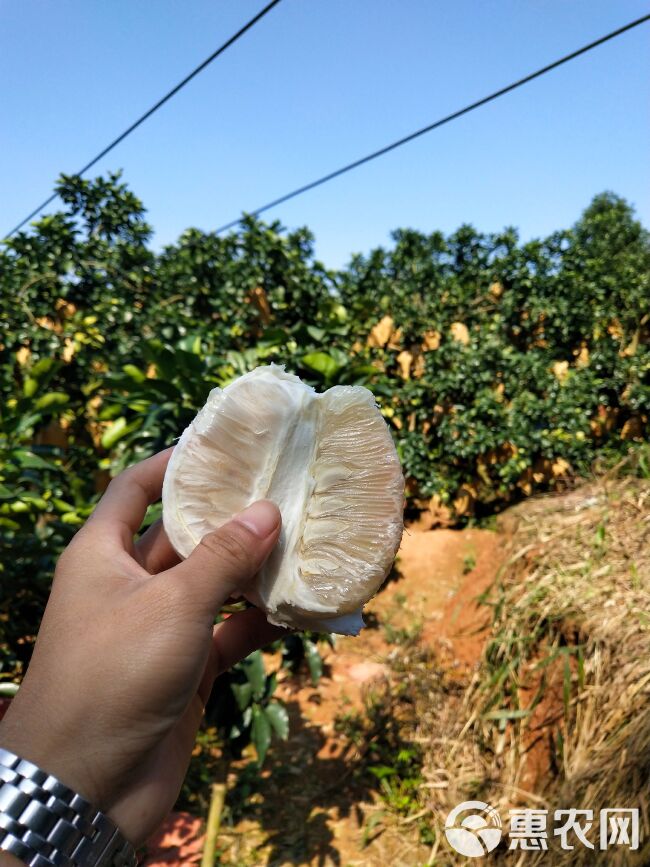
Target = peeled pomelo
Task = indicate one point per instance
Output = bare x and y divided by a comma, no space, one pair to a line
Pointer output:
328,462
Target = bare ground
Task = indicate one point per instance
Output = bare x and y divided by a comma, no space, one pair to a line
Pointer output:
310,810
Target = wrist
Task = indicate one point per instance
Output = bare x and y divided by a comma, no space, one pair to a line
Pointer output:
45,822
32,735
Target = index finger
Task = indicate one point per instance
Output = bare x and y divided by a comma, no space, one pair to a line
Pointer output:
125,502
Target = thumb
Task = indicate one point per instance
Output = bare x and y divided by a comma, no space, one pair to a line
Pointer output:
226,560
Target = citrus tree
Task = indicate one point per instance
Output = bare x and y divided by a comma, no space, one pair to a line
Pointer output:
501,367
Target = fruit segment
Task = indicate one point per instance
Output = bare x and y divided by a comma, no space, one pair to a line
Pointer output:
328,462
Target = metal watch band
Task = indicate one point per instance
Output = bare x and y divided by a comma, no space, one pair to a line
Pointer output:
44,823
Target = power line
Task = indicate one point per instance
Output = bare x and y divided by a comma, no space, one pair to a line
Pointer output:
438,123
156,106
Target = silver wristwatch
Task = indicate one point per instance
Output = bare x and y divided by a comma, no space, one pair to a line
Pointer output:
44,823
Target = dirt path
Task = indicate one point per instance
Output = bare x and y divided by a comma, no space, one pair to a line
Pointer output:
431,598
304,814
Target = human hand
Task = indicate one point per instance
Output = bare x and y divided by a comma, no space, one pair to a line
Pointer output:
127,651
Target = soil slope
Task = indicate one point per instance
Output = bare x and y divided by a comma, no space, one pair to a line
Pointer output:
307,813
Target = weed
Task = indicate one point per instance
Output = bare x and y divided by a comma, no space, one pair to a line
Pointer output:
469,563
403,635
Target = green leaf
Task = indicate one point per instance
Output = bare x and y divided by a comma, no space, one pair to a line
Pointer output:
26,422
109,412
52,399
274,337
134,372
42,367
381,771
114,433
153,513
34,500
362,370
316,333
322,363
8,690
164,360
314,660
29,461
374,820
118,430
139,406
30,386
61,505
256,673
260,733
190,343
243,693
339,356
162,387
279,719
271,683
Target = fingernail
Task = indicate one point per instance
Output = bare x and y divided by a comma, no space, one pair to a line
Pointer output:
261,518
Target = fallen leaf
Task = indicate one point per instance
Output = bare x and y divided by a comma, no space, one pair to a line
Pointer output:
179,841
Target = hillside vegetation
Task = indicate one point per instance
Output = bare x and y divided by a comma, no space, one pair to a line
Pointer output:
501,367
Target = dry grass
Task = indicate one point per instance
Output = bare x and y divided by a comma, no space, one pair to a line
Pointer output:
558,714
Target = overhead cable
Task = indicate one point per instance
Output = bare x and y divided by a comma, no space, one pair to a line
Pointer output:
155,107
438,123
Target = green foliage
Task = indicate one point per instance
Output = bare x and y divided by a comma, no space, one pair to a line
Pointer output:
402,635
303,647
243,710
541,351
389,761
469,562
501,367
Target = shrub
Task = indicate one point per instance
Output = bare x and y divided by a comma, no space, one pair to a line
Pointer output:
501,366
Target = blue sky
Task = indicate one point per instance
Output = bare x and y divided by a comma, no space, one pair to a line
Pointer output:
318,83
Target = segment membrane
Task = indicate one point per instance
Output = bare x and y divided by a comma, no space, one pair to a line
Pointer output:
353,524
